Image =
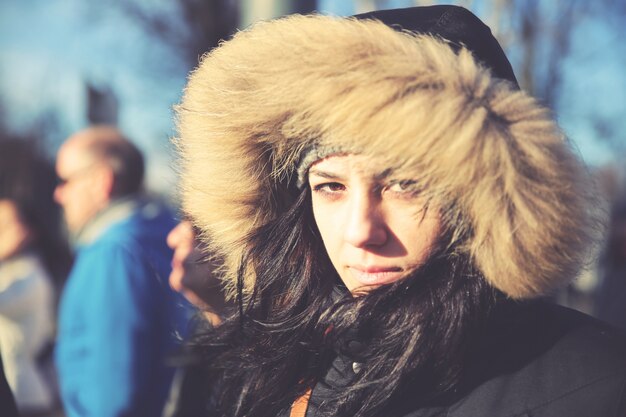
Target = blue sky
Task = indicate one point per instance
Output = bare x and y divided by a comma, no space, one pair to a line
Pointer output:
49,48
596,89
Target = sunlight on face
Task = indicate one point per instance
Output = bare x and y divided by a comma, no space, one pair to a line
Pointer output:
375,227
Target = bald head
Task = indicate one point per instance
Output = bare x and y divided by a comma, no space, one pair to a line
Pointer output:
94,167
106,144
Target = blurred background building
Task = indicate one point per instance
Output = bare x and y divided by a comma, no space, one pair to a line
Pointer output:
65,64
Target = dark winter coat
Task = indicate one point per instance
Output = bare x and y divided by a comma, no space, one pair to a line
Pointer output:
537,360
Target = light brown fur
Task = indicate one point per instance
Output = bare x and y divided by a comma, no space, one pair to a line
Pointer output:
256,101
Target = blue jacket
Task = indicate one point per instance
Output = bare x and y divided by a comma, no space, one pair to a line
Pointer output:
119,319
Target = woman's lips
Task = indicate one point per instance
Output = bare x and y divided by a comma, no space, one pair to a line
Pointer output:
376,275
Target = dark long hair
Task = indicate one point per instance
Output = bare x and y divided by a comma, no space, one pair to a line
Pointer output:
415,332
27,178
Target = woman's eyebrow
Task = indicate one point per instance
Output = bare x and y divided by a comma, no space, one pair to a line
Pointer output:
333,176
325,174
384,174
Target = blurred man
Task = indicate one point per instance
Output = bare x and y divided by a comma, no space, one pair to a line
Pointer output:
193,275
119,319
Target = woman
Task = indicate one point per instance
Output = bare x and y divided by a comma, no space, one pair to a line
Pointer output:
388,206
34,258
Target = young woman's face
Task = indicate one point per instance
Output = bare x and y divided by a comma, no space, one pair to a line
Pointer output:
375,226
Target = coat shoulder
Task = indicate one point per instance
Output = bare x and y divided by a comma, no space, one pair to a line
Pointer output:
549,361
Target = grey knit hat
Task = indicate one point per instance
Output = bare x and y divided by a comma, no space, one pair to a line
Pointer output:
310,155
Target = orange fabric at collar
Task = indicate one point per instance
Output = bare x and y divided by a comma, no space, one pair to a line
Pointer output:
300,405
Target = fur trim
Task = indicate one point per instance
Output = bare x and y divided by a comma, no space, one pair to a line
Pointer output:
258,100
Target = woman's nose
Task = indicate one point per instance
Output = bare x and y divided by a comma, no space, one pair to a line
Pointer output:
365,225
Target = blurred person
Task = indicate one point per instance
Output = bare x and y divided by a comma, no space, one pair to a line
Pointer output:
34,261
119,320
609,297
390,210
193,275
182,240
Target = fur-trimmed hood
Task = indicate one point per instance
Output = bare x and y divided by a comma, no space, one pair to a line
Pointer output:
471,139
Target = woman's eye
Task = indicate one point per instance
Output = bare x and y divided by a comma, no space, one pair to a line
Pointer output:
329,187
403,186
